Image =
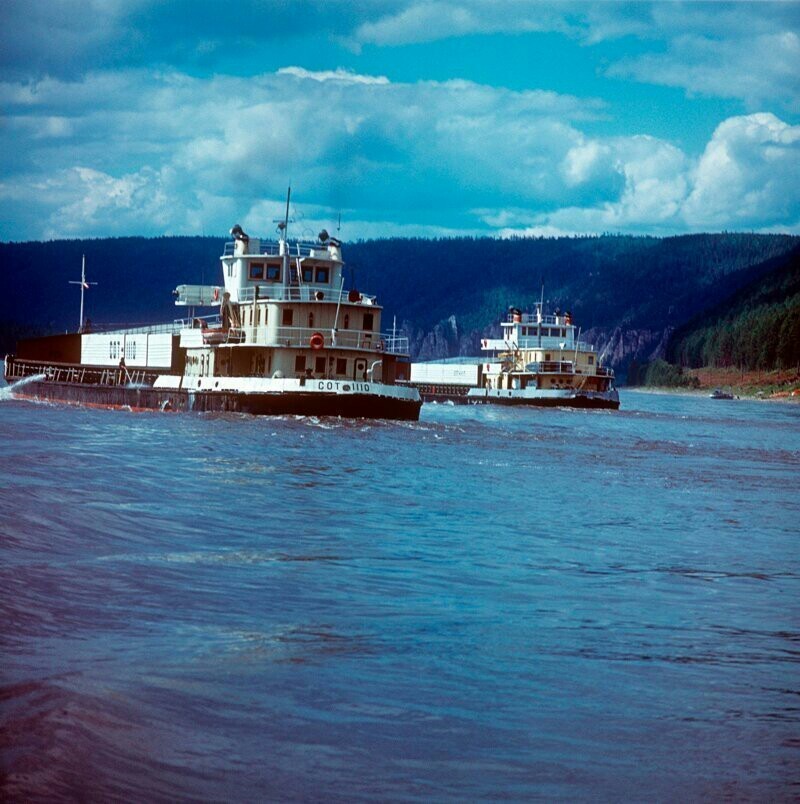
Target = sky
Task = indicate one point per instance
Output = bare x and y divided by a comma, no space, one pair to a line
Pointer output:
429,118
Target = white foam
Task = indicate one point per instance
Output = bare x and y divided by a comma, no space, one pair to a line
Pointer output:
7,393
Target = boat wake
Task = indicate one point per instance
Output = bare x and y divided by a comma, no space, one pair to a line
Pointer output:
7,393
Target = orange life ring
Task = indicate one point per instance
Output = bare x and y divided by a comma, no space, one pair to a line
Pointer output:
317,341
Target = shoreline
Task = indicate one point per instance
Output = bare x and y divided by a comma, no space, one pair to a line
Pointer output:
785,397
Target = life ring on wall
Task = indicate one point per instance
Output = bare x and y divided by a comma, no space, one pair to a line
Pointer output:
317,341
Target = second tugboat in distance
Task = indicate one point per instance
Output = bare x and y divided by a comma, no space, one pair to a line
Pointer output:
539,360
286,339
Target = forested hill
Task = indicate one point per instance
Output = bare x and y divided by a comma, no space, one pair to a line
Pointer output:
605,281
611,284
757,328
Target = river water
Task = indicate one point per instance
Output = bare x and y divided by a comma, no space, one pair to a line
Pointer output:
491,603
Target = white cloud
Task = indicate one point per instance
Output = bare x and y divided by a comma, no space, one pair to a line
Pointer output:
358,141
428,21
652,187
340,75
754,68
181,155
748,175
747,178
723,49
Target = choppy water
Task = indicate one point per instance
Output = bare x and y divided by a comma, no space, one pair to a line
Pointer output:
492,603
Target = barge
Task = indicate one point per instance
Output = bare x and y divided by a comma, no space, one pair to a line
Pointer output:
283,337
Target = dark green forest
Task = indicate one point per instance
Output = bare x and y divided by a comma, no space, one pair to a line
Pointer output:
757,328
607,282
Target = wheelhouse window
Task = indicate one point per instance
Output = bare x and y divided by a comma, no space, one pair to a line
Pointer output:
274,272
319,365
256,270
323,275
311,320
341,365
300,364
591,360
308,273
346,324
288,317
368,321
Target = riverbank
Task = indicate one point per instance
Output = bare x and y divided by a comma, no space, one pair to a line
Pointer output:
767,384
772,385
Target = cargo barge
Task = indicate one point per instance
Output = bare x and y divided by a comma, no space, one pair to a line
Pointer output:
284,337
539,360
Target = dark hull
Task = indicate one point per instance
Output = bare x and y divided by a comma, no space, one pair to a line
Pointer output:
459,397
586,403
356,406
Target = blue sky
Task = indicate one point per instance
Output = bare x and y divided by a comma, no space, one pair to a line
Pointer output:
436,118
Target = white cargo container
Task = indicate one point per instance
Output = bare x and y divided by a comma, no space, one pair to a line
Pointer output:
140,350
445,373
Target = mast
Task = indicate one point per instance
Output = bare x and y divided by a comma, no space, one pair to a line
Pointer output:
84,286
336,319
541,314
282,227
286,216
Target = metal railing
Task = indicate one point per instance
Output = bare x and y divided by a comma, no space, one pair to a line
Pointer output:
60,372
172,327
551,367
533,318
300,293
566,367
300,337
271,248
343,339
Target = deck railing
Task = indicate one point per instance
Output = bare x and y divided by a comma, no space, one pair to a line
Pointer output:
301,293
298,337
59,372
271,248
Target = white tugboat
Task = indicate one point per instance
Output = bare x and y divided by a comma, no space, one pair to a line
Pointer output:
539,360
286,339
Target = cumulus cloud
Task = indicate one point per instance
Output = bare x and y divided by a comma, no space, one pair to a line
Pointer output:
348,136
180,155
749,174
748,177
